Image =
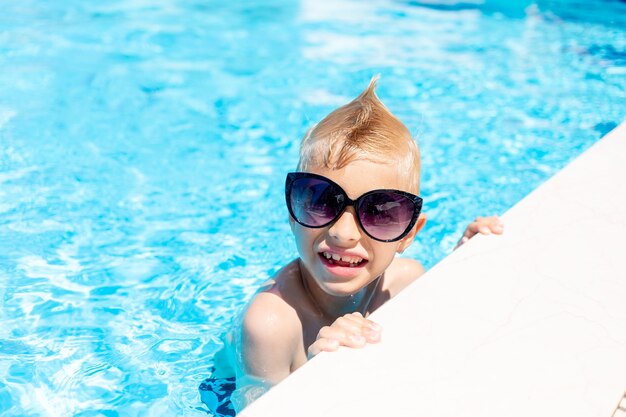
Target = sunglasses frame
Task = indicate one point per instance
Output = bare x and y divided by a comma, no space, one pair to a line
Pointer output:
294,176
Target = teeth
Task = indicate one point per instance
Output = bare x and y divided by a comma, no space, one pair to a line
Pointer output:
351,259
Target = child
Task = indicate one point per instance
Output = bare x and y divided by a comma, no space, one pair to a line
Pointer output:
353,206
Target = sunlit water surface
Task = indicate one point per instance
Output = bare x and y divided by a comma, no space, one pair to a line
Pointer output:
143,148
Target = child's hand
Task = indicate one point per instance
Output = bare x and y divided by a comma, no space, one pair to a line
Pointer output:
352,330
484,226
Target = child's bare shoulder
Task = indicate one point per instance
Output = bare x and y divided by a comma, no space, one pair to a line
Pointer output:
267,308
271,319
401,273
271,328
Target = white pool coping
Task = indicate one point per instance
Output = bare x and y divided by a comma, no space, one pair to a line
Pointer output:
532,323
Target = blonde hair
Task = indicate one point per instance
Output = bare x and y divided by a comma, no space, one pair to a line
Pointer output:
362,129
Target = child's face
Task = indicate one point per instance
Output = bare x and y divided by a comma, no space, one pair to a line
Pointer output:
345,238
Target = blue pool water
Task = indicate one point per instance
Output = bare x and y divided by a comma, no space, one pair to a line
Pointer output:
143,147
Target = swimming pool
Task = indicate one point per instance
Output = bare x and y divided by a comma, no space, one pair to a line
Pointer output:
143,148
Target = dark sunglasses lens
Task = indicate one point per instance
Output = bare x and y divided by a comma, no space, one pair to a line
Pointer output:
315,202
386,215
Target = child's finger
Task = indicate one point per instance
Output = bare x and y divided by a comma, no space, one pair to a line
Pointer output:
482,225
345,338
488,225
348,324
497,226
322,345
371,335
368,329
351,337
355,322
358,319
484,230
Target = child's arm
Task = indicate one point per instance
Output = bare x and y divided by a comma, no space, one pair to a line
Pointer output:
351,330
484,226
266,342
269,338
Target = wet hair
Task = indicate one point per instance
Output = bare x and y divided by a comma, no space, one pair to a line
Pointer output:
363,129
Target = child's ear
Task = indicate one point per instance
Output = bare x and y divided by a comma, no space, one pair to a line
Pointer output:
406,241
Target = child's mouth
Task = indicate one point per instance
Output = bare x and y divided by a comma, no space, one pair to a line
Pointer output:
342,261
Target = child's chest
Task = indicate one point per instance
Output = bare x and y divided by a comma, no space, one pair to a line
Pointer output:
312,323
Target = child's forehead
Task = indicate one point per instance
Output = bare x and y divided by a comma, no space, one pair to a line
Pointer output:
360,176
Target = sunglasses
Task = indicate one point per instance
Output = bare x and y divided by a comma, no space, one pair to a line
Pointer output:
384,215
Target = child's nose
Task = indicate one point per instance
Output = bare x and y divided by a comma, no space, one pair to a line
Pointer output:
345,227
